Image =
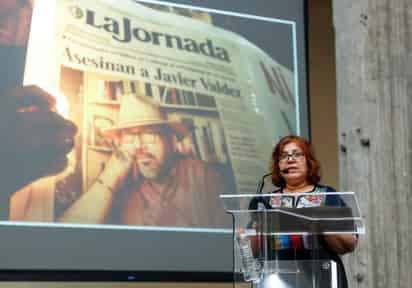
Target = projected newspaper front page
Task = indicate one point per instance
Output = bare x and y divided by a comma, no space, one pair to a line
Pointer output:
167,109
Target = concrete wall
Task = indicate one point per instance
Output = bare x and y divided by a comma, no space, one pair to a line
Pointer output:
374,85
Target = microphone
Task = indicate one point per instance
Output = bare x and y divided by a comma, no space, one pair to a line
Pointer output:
285,171
259,202
262,183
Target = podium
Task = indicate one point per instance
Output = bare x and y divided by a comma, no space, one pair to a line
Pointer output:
267,228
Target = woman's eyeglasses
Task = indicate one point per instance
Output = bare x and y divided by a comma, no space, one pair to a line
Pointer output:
294,155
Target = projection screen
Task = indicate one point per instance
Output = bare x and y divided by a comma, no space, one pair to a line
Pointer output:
174,103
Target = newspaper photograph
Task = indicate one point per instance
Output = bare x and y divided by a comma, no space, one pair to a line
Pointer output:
168,109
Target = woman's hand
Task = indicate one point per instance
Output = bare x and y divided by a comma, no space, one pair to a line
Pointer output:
342,243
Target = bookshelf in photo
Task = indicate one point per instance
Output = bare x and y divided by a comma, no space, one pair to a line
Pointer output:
197,111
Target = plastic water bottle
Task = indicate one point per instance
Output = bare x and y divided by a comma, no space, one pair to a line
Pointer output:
250,267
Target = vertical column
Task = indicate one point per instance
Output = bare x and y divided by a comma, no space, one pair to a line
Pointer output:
374,96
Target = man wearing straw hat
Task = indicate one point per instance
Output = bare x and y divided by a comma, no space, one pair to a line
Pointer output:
147,181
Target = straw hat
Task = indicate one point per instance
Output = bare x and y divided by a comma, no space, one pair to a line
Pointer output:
138,112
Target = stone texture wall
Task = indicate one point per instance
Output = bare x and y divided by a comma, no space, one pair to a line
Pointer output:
374,106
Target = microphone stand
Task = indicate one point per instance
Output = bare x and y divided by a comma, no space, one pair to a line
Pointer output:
261,206
265,246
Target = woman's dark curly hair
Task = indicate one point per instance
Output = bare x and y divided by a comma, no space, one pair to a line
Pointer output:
312,162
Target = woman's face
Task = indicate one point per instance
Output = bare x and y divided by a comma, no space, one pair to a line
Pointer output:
293,158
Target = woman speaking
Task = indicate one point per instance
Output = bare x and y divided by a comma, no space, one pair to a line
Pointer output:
296,170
